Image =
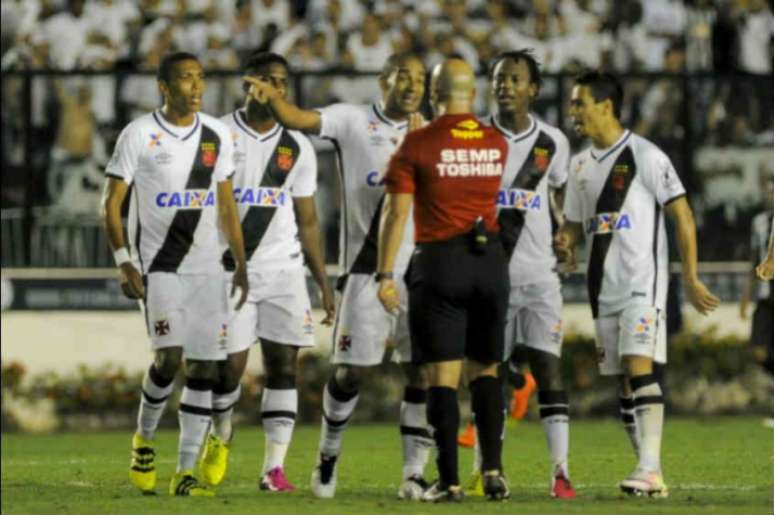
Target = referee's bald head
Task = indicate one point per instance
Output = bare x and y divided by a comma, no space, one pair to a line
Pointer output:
453,81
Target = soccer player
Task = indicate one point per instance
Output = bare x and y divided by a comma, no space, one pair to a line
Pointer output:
538,156
180,162
276,176
761,338
617,192
458,279
365,136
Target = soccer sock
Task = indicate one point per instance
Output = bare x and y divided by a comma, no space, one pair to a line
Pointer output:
222,408
629,422
649,413
487,405
338,406
194,415
555,417
443,415
155,392
414,435
278,415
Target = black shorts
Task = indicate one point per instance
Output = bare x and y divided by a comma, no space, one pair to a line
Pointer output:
458,301
762,334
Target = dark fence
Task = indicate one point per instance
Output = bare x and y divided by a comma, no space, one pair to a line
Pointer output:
59,128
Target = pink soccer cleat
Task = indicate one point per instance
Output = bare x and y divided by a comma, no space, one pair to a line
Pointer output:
275,481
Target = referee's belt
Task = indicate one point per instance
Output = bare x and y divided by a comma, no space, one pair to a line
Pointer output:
463,239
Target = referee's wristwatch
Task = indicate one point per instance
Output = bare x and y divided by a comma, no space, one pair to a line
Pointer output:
383,275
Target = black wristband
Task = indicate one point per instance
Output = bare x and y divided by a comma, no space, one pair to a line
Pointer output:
383,275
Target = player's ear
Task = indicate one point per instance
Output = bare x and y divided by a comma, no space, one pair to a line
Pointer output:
163,88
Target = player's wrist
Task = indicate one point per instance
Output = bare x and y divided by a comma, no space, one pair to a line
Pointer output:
121,257
384,276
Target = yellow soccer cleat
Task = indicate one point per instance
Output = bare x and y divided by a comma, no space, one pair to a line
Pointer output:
214,460
142,470
183,483
475,485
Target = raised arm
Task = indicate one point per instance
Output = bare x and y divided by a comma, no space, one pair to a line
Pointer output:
112,199
287,114
698,294
312,244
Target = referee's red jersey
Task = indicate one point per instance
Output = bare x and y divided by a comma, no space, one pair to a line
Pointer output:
453,167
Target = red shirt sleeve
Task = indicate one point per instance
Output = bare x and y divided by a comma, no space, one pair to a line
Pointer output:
400,172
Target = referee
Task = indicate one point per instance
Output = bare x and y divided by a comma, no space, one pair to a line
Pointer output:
458,277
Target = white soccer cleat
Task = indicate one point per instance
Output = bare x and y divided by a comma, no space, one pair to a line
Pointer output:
642,482
412,488
323,481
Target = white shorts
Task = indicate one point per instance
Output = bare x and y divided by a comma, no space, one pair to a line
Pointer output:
363,326
535,317
277,309
187,311
637,330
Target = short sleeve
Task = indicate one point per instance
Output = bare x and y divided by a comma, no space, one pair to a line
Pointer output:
335,121
573,206
399,177
661,179
224,166
557,174
125,160
305,181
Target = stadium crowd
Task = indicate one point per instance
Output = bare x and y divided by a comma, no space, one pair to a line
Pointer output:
711,110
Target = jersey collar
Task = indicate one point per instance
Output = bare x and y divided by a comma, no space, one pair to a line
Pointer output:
383,117
240,117
515,138
169,128
603,153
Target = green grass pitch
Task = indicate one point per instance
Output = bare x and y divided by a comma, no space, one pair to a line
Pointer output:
714,465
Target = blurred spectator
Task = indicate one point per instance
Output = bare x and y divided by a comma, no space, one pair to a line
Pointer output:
665,20
756,29
69,29
700,17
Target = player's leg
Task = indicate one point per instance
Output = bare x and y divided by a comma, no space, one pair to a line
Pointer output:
279,406
415,435
762,342
638,343
157,384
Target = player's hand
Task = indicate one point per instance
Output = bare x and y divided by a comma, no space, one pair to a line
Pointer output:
239,282
415,121
261,91
329,305
388,295
743,309
765,271
131,282
565,252
700,297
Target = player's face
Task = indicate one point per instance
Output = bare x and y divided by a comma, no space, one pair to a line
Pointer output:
183,92
512,86
275,74
587,114
404,88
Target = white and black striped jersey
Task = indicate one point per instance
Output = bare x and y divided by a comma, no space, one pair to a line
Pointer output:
759,245
173,207
618,195
365,139
271,169
537,158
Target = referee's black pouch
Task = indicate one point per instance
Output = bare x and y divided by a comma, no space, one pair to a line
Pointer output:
479,237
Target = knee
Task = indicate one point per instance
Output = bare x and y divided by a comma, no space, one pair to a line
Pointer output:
637,365
348,377
167,361
416,376
279,362
207,370
547,370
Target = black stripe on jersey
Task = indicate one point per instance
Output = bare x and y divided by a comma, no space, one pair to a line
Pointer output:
344,207
528,178
656,220
365,262
257,219
181,231
610,200
137,237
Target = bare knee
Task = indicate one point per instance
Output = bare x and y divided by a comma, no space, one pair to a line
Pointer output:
349,378
279,364
167,361
230,371
416,376
547,370
199,369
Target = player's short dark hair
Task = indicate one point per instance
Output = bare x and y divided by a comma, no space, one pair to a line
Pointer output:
259,60
523,54
168,63
396,60
603,86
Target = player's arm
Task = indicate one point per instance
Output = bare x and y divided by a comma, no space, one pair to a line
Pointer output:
698,294
287,114
112,199
395,212
312,244
765,270
228,217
